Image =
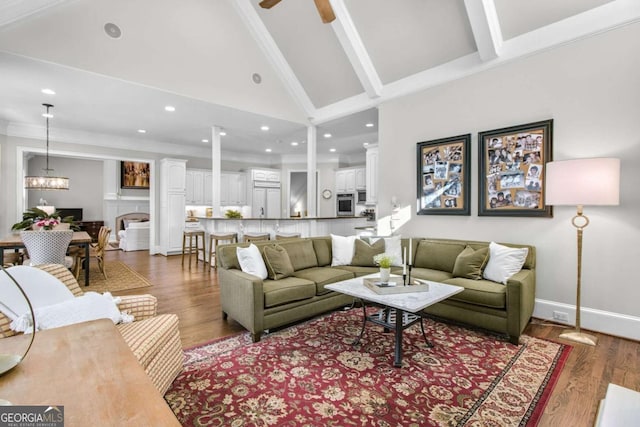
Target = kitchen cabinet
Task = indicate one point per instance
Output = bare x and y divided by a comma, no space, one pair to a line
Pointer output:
361,179
194,187
207,197
348,180
271,175
233,189
372,175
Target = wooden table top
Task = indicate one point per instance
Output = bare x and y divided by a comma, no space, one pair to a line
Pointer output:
89,369
13,240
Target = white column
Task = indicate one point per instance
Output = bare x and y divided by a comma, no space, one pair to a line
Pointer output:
312,197
216,167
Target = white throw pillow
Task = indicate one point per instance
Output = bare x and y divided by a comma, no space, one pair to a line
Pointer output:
90,306
251,261
342,249
392,247
41,287
504,262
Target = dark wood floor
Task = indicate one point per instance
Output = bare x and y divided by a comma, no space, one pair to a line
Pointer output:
194,296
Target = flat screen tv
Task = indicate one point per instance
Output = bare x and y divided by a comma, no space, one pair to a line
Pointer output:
76,213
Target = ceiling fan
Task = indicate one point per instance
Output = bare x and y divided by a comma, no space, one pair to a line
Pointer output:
323,6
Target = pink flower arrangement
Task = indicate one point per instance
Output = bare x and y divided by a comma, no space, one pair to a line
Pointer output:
47,223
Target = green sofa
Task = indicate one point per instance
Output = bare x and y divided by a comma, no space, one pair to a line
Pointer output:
259,305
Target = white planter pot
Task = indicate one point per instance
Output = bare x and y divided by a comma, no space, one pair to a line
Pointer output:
384,275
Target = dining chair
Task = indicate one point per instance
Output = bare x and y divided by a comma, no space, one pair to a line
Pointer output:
96,250
47,247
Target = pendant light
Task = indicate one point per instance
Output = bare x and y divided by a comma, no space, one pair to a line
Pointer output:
46,182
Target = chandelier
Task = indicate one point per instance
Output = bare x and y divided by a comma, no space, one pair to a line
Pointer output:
46,182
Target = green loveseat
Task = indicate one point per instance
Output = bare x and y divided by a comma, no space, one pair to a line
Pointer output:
259,305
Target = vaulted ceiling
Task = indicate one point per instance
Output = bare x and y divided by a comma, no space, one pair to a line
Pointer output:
233,64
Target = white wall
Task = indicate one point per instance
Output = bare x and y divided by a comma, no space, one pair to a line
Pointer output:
591,88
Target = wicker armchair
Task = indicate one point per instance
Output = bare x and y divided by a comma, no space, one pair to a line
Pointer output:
153,339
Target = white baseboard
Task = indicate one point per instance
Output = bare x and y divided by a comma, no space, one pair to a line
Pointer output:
620,325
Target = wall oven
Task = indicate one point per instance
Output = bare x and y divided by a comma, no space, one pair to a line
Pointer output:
346,204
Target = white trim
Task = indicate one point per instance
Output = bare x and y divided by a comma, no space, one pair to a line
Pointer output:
261,35
607,322
485,26
353,46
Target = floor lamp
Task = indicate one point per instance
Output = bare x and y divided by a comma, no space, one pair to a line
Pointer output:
582,182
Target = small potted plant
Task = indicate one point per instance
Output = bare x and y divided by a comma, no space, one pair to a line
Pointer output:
233,214
37,219
384,261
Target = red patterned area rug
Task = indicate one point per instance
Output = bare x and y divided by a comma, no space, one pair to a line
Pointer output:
311,375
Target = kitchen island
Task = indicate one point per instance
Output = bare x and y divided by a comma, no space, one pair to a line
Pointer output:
306,226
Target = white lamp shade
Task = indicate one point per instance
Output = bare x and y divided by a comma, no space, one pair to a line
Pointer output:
593,181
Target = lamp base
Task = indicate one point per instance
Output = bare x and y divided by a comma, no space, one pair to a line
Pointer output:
580,337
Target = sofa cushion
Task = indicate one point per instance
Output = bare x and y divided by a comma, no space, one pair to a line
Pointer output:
479,292
301,253
438,255
429,274
289,289
322,246
323,276
504,262
470,263
364,252
392,247
277,262
342,249
362,271
251,261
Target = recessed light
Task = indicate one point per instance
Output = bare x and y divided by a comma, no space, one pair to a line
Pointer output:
268,150
257,78
112,30
47,115
48,91
264,128
223,133
333,150
142,131
295,144
327,135
365,144
369,125
205,140
170,108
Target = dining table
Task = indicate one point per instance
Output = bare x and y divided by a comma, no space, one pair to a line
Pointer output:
80,238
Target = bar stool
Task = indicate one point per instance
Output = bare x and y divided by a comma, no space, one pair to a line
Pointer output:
214,238
193,247
280,236
255,236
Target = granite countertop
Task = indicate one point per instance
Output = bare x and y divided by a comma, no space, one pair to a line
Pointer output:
295,218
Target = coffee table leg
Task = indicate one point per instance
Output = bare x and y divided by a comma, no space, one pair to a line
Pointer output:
397,360
364,322
429,344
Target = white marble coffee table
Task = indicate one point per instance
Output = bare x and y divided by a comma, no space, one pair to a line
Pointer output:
399,310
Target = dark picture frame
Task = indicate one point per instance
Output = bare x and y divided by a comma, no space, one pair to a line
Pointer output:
443,176
135,175
511,172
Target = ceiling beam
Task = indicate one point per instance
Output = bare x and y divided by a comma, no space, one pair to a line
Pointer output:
607,17
486,27
273,54
353,46
15,10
